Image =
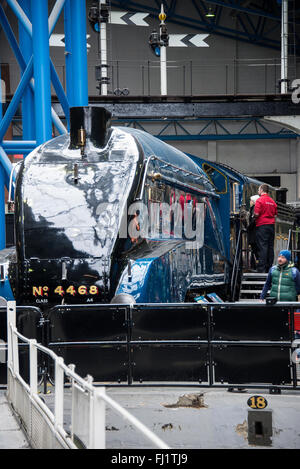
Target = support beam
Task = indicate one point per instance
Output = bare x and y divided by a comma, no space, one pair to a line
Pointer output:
2,209
79,53
12,108
68,51
25,42
12,40
41,58
54,15
6,165
18,146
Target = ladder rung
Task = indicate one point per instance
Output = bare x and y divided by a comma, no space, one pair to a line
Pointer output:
258,275
251,291
253,282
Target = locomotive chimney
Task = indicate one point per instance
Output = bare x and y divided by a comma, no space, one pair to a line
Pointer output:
89,123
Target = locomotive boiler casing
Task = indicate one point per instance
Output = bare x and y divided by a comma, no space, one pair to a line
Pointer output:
76,197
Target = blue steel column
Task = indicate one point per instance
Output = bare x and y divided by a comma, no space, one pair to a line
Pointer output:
2,210
2,183
41,60
79,53
25,44
68,52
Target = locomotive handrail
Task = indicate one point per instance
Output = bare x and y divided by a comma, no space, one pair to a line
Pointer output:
236,263
11,182
166,178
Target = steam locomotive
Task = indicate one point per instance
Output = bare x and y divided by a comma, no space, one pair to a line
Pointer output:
112,214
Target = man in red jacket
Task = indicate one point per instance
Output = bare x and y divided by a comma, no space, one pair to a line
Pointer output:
265,212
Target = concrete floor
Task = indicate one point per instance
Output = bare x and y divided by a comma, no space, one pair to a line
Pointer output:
217,420
11,434
183,417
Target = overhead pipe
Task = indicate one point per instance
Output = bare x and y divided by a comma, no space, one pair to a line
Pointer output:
284,47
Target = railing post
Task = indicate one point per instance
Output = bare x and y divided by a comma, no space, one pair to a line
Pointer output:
12,340
97,422
59,393
33,366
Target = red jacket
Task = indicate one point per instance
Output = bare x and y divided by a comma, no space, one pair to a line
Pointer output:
266,210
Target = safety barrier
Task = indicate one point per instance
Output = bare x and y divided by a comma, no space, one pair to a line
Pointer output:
211,345
208,344
44,428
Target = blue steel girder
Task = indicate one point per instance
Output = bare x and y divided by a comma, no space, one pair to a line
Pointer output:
205,129
76,49
21,61
253,24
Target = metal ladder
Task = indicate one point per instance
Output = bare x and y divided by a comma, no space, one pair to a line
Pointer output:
251,286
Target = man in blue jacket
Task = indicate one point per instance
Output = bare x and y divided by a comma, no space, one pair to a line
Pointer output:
283,279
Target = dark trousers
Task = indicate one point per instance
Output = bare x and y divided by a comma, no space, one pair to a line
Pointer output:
265,235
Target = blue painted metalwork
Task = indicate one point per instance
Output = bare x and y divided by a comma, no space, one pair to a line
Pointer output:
79,53
68,51
60,91
41,58
15,47
12,108
1,95
77,76
25,41
32,54
12,39
2,180
18,146
172,129
2,209
7,166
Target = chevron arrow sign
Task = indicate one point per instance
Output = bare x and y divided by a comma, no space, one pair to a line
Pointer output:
58,40
125,18
188,40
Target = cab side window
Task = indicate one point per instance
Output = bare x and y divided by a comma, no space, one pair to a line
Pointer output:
216,177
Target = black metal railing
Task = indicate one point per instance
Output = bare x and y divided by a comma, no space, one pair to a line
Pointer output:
210,345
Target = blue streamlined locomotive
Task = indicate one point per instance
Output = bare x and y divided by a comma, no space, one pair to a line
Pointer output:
111,214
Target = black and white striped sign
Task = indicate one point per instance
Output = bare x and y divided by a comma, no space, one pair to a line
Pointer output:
188,40
129,19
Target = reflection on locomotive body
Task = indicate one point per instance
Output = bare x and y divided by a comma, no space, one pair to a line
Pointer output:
122,212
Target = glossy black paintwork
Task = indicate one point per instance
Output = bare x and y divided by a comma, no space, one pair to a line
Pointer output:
72,225
72,194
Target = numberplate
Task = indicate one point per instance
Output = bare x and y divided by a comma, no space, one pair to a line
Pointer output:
82,290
